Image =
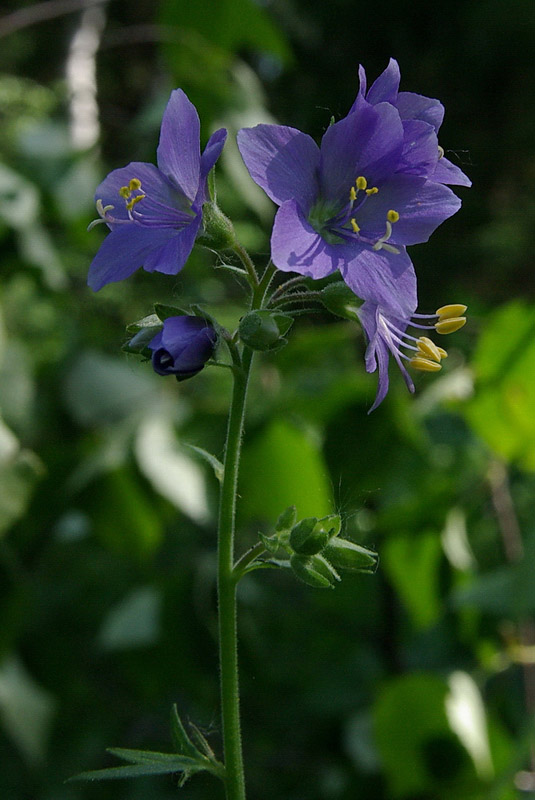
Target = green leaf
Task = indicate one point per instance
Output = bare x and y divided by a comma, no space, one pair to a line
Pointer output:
181,739
178,761
163,311
283,467
501,410
151,321
215,463
413,563
137,771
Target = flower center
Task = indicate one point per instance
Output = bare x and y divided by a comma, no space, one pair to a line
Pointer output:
132,194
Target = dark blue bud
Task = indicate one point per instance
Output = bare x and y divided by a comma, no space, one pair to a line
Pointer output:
183,346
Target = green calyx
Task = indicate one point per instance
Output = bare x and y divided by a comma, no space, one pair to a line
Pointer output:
264,329
218,231
339,299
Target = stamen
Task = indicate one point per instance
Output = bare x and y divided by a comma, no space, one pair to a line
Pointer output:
131,203
440,152
424,364
373,190
354,225
361,182
428,349
125,192
352,194
450,325
391,217
134,185
451,310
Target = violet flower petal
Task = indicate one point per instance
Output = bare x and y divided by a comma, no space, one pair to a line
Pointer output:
385,88
283,161
446,172
179,153
170,258
124,250
368,143
416,106
420,149
297,247
387,279
422,206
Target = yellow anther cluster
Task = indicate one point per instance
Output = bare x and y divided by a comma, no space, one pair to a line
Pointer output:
450,318
134,185
428,356
392,216
354,225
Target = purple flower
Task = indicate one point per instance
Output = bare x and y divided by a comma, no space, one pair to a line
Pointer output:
353,203
155,213
183,346
421,117
387,336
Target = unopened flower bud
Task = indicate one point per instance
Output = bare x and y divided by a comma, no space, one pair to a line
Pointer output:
340,300
286,521
264,329
218,232
314,571
347,555
183,346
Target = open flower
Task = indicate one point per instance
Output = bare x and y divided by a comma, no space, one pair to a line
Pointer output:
421,117
155,213
183,346
387,336
352,204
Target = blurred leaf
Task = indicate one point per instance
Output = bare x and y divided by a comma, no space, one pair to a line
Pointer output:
215,463
101,390
171,472
501,411
25,709
19,472
412,563
282,467
410,726
466,715
133,622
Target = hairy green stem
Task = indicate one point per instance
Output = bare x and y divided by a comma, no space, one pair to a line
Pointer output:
226,580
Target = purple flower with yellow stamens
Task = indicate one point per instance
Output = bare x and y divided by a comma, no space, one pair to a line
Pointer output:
352,204
421,118
155,213
387,336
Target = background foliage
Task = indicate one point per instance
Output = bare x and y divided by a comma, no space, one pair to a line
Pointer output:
417,683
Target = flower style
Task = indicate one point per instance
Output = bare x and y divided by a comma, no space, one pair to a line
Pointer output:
183,346
421,118
155,213
352,204
387,335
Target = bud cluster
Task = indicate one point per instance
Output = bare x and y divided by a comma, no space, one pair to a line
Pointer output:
315,549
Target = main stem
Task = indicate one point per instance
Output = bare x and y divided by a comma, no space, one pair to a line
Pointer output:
228,640
226,578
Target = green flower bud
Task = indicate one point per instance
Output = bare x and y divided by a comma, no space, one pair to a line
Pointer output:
218,230
286,521
340,300
144,331
264,329
306,539
314,571
347,555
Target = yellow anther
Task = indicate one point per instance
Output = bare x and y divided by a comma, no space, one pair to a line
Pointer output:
125,192
392,216
428,349
131,203
361,182
134,185
443,353
440,152
352,194
452,310
354,225
450,325
373,190
424,364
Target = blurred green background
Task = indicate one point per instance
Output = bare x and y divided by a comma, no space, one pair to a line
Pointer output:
417,683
